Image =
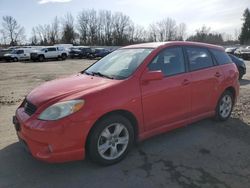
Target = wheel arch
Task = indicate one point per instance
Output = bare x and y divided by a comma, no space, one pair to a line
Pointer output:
233,91
125,113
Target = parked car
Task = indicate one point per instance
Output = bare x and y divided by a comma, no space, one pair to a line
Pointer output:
240,65
129,95
18,54
79,52
3,52
230,50
98,53
52,52
243,53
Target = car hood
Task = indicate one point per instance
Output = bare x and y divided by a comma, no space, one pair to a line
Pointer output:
8,54
64,87
35,51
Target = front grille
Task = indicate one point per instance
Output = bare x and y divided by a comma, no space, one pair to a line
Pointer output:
33,54
29,108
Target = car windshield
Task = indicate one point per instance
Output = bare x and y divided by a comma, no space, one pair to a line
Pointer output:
13,52
120,64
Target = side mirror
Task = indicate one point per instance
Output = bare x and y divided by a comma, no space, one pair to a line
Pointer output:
46,51
152,75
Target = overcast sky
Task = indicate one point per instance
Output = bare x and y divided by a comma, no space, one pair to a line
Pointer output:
220,15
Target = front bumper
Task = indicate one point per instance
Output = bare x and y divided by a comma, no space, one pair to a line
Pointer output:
51,141
8,58
34,56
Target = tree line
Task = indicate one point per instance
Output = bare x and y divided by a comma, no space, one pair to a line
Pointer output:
91,27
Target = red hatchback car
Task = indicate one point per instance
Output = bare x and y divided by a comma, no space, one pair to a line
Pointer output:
131,94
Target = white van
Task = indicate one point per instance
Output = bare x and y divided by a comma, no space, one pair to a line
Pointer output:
18,55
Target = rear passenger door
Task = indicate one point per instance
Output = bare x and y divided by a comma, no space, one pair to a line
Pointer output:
51,53
206,77
20,54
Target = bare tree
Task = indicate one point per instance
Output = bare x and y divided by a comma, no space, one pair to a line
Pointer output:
3,37
82,27
68,29
43,33
93,27
107,26
163,30
34,37
47,34
54,31
153,33
14,32
181,31
236,34
121,24
136,34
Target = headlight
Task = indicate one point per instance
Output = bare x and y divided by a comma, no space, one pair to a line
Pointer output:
61,109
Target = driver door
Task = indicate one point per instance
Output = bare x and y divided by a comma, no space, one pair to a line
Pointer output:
167,102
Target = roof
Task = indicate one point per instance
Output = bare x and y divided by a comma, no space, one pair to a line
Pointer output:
170,43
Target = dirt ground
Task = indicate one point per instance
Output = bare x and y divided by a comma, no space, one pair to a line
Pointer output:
204,154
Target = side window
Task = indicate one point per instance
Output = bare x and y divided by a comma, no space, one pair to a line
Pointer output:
51,49
20,52
221,57
199,58
170,61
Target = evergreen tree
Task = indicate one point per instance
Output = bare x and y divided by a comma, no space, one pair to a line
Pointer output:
245,30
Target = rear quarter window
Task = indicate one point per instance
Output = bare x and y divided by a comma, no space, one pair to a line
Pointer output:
221,57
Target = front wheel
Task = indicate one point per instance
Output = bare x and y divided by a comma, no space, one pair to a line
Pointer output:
64,56
110,140
224,106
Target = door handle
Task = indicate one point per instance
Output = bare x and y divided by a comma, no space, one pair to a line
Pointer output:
217,74
185,82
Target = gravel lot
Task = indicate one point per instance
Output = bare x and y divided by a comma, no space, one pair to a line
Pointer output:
205,154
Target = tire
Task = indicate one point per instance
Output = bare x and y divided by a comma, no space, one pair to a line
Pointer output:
241,73
104,145
41,58
15,59
225,106
64,56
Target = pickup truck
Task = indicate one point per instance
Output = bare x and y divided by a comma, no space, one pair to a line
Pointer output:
53,52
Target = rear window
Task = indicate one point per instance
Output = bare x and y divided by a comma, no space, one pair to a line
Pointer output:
199,58
221,57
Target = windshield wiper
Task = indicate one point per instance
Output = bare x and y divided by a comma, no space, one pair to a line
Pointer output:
85,72
101,75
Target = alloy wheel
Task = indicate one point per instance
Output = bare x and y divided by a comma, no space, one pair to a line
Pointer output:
113,141
225,106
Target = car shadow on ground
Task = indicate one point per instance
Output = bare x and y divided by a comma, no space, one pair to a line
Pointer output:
206,153
244,82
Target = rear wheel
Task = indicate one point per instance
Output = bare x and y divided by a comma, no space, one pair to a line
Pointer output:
15,59
224,106
41,58
110,140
